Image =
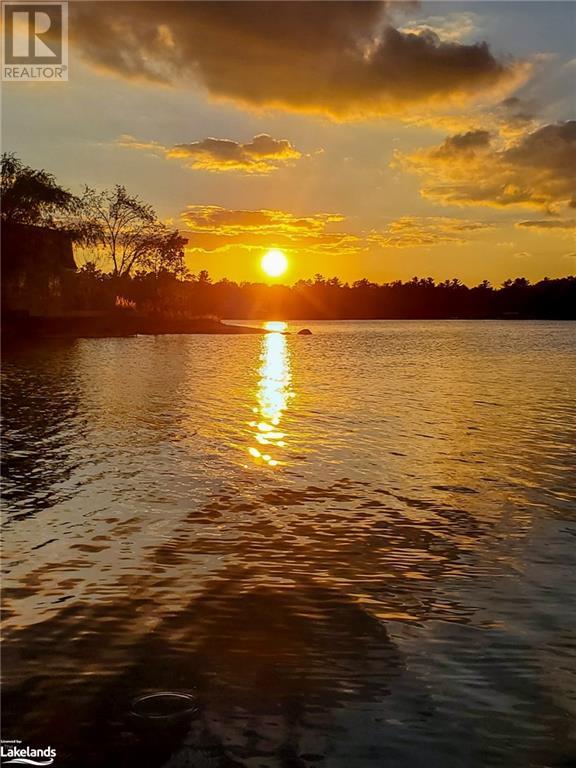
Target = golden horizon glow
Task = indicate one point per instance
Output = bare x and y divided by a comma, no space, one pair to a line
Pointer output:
274,262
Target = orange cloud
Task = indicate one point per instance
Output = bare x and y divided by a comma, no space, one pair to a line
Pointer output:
511,118
537,170
418,231
339,59
454,27
263,154
548,224
563,228
213,228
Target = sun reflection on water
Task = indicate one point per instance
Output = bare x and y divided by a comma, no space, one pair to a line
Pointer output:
272,395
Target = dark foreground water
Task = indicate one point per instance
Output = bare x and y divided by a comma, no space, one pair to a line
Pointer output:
355,549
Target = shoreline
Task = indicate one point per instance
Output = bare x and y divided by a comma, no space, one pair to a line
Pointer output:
114,325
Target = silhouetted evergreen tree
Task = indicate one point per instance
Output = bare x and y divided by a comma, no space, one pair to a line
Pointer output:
322,299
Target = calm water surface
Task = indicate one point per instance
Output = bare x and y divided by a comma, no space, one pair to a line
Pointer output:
354,549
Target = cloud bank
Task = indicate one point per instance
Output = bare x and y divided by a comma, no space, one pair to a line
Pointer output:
339,59
214,228
426,231
537,170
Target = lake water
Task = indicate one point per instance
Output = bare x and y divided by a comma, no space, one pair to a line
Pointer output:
353,549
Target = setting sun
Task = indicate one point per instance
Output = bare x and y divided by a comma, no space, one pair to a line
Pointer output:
274,263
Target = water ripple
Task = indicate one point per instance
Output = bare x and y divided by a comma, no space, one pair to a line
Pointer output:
355,551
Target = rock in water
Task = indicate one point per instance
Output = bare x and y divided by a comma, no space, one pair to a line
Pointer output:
305,332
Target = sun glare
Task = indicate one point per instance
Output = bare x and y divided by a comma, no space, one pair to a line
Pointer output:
274,263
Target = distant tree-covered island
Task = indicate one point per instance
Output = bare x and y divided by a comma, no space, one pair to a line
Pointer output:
134,273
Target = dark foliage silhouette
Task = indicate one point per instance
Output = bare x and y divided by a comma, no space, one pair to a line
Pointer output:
164,292
126,231
29,196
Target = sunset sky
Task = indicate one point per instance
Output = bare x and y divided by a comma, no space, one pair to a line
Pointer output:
364,139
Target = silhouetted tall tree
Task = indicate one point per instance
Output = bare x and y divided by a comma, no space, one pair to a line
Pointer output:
129,233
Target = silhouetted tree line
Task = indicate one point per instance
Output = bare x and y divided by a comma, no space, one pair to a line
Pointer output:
148,273
326,299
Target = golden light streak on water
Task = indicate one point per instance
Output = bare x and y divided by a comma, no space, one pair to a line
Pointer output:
272,395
